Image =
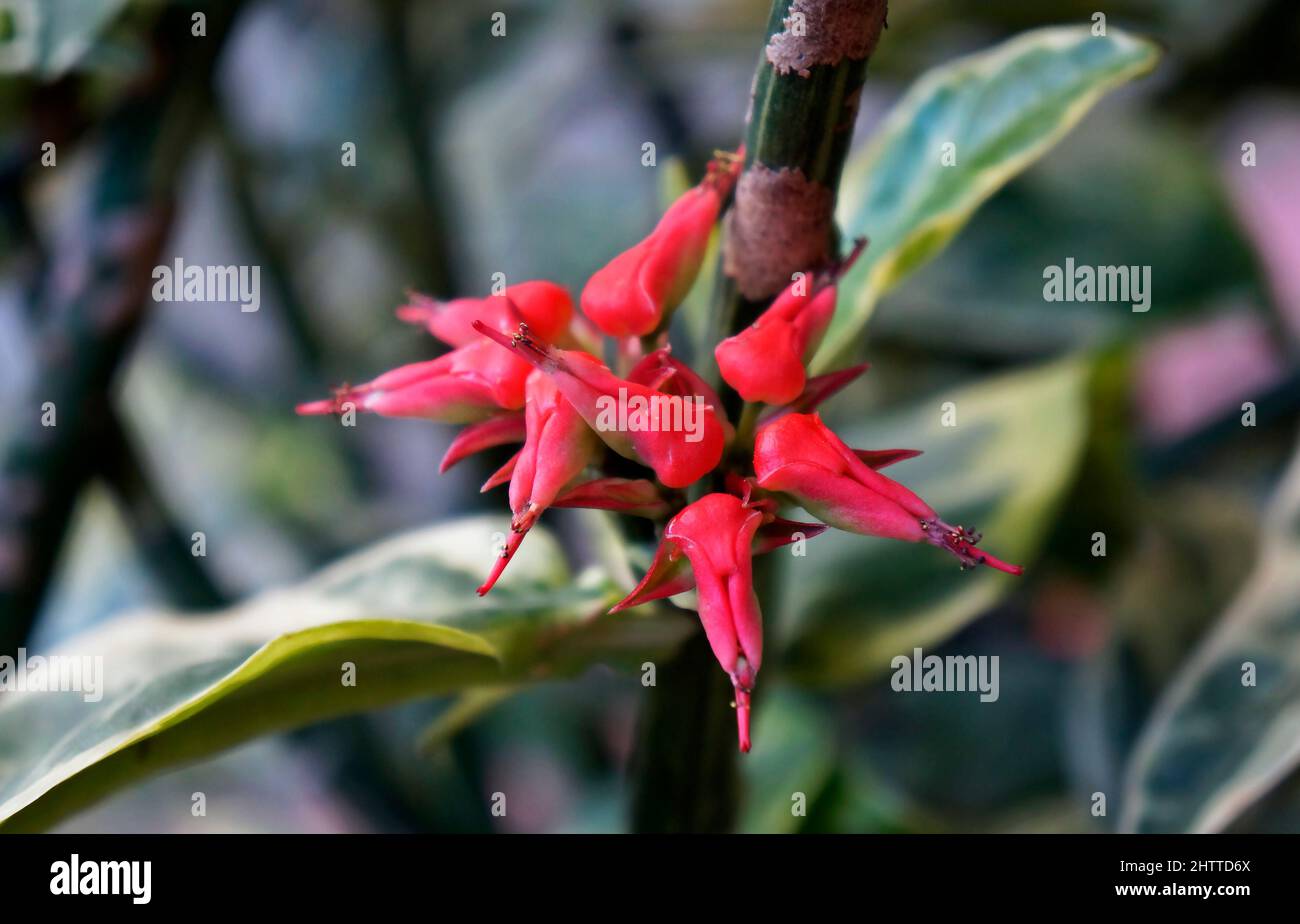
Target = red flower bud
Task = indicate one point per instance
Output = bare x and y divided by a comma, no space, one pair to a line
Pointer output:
663,372
667,576
559,445
765,361
636,292
680,438
715,534
544,306
799,456
470,383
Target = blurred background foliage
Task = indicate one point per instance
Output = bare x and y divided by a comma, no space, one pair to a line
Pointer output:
478,155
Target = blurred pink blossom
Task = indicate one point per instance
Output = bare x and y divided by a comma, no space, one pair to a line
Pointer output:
1189,376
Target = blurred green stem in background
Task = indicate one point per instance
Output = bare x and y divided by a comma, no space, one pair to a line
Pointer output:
240,169
685,768
84,335
312,350
162,545
685,775
412,88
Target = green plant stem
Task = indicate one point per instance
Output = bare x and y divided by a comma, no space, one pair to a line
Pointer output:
685,777
240,170
748,422
685,770
800,124
803,122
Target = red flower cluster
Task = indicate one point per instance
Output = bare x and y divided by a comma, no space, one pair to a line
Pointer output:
524,368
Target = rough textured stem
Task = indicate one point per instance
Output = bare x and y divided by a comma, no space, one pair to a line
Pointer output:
806,94
801,119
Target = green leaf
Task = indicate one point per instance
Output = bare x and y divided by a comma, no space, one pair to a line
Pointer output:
1003,109
404,614
858,601
463,712
797,758
800,778
1215,745
985,297
48,37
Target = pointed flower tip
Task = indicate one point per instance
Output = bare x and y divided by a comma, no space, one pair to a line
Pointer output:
742,719
413,314
477,437
669,574
491,580
315,407
883,458
332,405
963,543
503,558
501,475
843,265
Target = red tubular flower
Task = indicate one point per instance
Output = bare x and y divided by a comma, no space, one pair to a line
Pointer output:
468,384
524,368
716,534
679,438
669,576
765,361
799,456
544,306
663,372
559,445
636,292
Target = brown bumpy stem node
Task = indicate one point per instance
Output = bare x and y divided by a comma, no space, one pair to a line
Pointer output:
805,101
